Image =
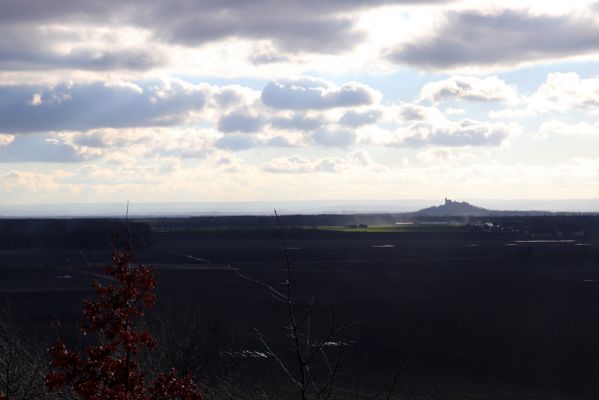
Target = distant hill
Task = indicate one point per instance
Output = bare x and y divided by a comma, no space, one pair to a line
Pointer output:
455,209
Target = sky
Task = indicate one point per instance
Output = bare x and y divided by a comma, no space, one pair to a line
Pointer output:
289,100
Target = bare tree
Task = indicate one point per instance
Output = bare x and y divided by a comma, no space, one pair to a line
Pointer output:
316,341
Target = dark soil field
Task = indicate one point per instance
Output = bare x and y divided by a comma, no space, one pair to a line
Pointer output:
472,314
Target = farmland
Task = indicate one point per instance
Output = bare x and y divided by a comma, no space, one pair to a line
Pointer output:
480,314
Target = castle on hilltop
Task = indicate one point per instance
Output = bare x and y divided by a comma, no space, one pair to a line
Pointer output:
453,208
449,202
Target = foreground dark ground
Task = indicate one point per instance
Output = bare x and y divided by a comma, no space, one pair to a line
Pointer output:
481,314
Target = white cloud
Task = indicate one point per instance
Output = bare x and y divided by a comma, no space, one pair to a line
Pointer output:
298,164
133,145
308,93
564,92
359,159
356,119
6,139
456,134
415,112
443,156
469,88
560,93
240,121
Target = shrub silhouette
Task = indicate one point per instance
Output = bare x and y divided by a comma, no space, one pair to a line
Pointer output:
110,369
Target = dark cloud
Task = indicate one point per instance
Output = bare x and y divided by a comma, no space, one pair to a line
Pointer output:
238,121
30,48
451,134
311,93
473,38
356,119
291,25
318,34
86,106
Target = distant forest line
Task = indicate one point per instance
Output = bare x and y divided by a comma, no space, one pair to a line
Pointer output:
98,233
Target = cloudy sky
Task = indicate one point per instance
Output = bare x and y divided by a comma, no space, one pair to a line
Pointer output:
235,100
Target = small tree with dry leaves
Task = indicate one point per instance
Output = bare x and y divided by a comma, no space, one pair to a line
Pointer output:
110,369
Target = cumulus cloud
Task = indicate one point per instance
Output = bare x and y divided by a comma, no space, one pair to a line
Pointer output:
334,138
6,139
240,121
298,164
359,159
356,119
468,88
564,92
86,106
107,138
456,134
135,145
298,121
415,112
442,156
187,144
230,97
236,142
474,38
311,93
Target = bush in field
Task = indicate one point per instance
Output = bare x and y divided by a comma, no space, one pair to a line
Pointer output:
110,369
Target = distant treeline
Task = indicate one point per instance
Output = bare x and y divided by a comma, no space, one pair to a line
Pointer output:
547,224
70,233
98,233
269,222
556,225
